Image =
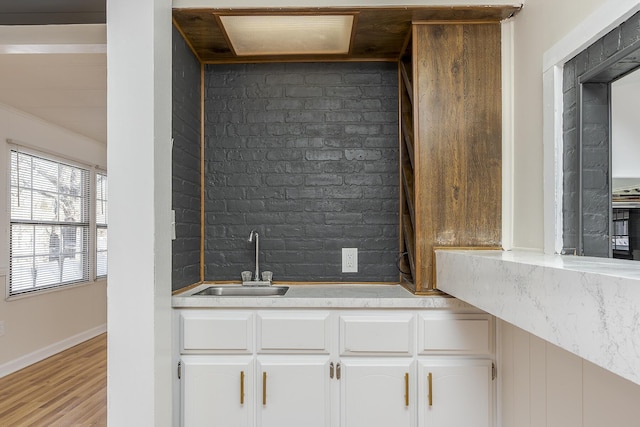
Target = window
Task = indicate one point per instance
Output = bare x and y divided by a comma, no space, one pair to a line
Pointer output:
50,223
101,225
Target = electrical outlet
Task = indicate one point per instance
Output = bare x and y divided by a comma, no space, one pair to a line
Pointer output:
349,260
1,328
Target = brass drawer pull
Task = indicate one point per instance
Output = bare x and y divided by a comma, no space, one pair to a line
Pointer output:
264,388
242,387
430,377
406,389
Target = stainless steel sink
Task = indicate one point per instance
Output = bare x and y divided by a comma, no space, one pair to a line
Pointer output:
243,291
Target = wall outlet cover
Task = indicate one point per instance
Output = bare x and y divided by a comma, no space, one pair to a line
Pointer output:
349,260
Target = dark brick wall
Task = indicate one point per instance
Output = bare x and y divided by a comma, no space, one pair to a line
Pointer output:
306,154
595,169
594,107
186,164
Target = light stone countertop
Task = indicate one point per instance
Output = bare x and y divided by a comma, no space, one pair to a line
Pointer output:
324,296
588,306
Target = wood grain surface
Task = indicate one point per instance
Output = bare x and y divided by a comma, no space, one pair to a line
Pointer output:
458,139
67,389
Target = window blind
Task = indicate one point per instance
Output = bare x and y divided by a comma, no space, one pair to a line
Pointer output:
49,223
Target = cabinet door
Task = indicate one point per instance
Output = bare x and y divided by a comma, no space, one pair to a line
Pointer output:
377,392
217,391
293,391
455,393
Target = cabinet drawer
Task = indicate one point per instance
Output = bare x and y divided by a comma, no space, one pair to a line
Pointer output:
457,334
216,332
384,334
295,332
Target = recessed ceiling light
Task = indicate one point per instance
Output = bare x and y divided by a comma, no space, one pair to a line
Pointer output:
288,34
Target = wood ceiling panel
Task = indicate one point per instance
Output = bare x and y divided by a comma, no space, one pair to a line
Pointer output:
379,35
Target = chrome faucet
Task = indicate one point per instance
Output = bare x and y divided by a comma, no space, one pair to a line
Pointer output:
253,234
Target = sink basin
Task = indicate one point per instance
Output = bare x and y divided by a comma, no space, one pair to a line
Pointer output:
243,291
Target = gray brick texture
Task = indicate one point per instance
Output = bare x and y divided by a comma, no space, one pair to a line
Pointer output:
595,138
306,154
186,164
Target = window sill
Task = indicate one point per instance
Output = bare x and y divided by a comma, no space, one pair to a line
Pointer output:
40,292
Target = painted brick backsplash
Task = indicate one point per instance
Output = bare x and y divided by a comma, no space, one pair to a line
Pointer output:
306,154
185,164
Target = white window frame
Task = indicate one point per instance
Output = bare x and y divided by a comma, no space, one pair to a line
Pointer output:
98,225
604,19
91,249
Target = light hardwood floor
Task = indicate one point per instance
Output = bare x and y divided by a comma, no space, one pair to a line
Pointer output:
68,389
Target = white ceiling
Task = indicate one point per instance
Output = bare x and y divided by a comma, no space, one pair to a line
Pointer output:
57,73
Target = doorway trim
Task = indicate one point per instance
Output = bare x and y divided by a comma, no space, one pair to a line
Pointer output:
595,26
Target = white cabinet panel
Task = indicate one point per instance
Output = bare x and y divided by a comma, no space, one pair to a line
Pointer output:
293,391
217,388
374,392
455,393
454,334
381,363
216,331
296,332
382,334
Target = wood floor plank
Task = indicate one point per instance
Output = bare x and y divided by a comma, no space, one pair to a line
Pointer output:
68,389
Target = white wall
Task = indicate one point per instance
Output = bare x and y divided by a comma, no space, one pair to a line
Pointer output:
545,386
625,127
140,369
538,26
40,325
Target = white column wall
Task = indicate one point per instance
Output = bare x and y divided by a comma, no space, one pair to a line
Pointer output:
538,26
139,154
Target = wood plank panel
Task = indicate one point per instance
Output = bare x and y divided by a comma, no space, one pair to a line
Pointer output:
457,139
483,130
67,389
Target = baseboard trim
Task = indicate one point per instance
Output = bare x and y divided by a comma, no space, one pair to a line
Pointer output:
48,351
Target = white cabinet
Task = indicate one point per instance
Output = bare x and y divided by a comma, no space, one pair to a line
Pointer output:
217,388
336,368
377,392
293,391
377,372
293,357
371,333
216,332
455,369
455,393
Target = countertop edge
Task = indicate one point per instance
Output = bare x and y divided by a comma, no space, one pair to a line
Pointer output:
316,296
577,303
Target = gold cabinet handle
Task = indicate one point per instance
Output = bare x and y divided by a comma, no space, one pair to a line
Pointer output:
331,369
242,387
338,371
406,389
430,378
264,388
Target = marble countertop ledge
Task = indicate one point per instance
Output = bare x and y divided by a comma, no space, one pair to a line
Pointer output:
324,296
588,306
